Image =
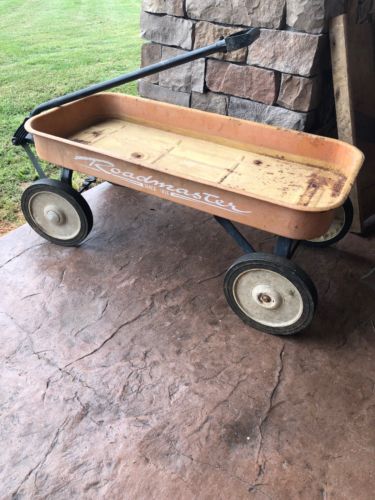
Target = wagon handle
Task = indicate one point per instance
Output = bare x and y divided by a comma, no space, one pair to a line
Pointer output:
233,42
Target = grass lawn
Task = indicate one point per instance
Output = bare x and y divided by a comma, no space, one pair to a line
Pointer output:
49,48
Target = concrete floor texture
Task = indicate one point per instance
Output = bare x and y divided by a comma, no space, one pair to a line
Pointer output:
125,375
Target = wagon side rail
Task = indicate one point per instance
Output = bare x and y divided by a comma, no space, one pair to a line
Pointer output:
231,43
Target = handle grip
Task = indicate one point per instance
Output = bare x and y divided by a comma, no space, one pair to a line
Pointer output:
242,39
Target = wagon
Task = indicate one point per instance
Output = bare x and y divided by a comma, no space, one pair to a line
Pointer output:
291,184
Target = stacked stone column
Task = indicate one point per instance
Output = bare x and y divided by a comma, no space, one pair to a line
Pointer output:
278,80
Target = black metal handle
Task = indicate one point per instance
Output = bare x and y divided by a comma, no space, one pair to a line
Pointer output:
242,39
233,42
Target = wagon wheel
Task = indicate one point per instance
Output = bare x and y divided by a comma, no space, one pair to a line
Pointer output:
339,228
57,212
270,293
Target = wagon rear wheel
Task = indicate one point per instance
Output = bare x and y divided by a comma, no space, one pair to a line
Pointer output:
57,212
339,228
271,294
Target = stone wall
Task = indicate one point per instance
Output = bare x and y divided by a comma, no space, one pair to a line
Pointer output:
278,80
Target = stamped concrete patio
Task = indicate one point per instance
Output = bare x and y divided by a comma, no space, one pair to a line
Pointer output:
124,374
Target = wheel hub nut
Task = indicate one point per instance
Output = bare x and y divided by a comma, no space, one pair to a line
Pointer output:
267,297
264,298
53,215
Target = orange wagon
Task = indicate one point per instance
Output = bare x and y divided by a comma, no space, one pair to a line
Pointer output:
291,184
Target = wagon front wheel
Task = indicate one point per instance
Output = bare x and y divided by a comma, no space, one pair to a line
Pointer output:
57,212
270,294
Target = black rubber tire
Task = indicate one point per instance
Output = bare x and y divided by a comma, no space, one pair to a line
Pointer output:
288,270
75,199
348,221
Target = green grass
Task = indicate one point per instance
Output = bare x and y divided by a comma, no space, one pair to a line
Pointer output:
49,48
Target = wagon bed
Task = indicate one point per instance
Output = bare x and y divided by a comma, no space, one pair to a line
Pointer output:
286,182
278,180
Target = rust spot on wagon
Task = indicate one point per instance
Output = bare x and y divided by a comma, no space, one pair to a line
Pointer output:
137,155
81,141
338,186
315,182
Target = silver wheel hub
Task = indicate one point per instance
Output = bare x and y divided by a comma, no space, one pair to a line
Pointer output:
268,298
54,215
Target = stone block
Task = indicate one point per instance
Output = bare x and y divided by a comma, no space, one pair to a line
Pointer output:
183,78
167,30
209,101
242,81
207,33
306,15
171,7
151,91
265,13
299,93
151,54
272,115
287,51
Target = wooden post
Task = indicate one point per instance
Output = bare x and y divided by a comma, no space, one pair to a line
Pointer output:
353,68
343,96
